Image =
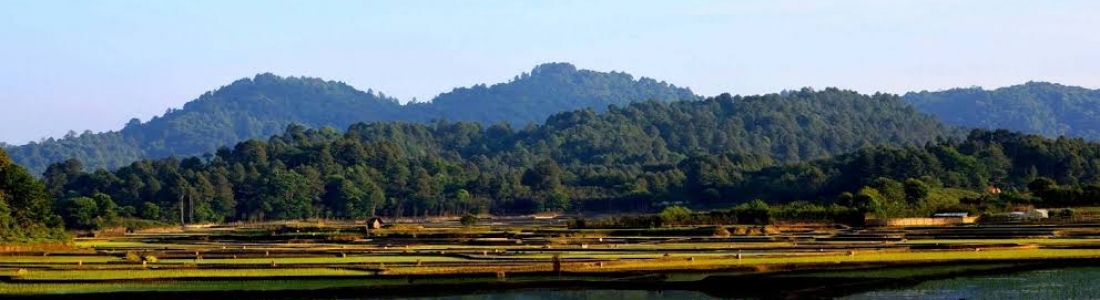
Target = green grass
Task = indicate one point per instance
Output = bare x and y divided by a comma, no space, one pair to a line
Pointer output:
865,257
316,260
1052,241
120,243
181,273
616,255
57,259
235,285
179,286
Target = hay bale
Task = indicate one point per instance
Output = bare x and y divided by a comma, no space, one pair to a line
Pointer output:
769,230
721,231
740,231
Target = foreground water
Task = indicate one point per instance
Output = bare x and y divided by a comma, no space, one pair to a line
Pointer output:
580,295
1073,283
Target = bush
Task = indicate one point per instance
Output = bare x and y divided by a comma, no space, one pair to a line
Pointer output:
1066,213
132,256
675,215
468,220
721,231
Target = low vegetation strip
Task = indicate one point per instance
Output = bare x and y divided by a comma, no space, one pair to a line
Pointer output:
855,257
317,260
184,286
84,275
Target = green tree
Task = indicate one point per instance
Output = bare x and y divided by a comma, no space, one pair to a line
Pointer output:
81,212
675,215
916,192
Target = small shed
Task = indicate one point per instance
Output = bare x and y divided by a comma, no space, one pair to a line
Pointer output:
375,223
951,215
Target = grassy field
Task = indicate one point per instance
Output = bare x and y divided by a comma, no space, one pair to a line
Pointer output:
317,260
176,286
1047,241
58,259
61,275
245,259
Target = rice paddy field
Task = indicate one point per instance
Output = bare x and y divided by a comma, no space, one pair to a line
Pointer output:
304,260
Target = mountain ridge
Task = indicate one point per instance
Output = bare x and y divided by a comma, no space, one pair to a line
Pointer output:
1037,107
262,106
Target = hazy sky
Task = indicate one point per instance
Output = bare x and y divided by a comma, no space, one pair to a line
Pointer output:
77,65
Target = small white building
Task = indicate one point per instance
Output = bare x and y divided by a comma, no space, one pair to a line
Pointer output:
951,215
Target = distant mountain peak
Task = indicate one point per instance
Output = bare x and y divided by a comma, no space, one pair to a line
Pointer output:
554,68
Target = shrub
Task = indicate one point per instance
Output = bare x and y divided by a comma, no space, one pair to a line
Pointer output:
132,256
468,220
721,231
1066,213
675,215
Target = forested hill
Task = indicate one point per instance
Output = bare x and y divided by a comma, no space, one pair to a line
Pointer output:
897,181
1036,107
627,158
248,108
263,106
548,89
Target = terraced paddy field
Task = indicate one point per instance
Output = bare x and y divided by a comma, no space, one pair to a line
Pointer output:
313,261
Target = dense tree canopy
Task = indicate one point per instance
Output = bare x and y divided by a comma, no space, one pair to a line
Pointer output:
628,158
264,105
903,177
26,211
1035,107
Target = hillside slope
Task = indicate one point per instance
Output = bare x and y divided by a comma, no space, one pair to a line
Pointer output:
1035,107
262,106
628,158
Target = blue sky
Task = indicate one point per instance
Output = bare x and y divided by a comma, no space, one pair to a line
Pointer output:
93,65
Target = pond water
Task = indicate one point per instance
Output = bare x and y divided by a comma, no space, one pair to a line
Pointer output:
580,295
1058,284
1072,283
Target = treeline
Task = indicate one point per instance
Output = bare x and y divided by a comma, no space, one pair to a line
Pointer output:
26,211
630,158
756,212
259,107
1010,168
1042,108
